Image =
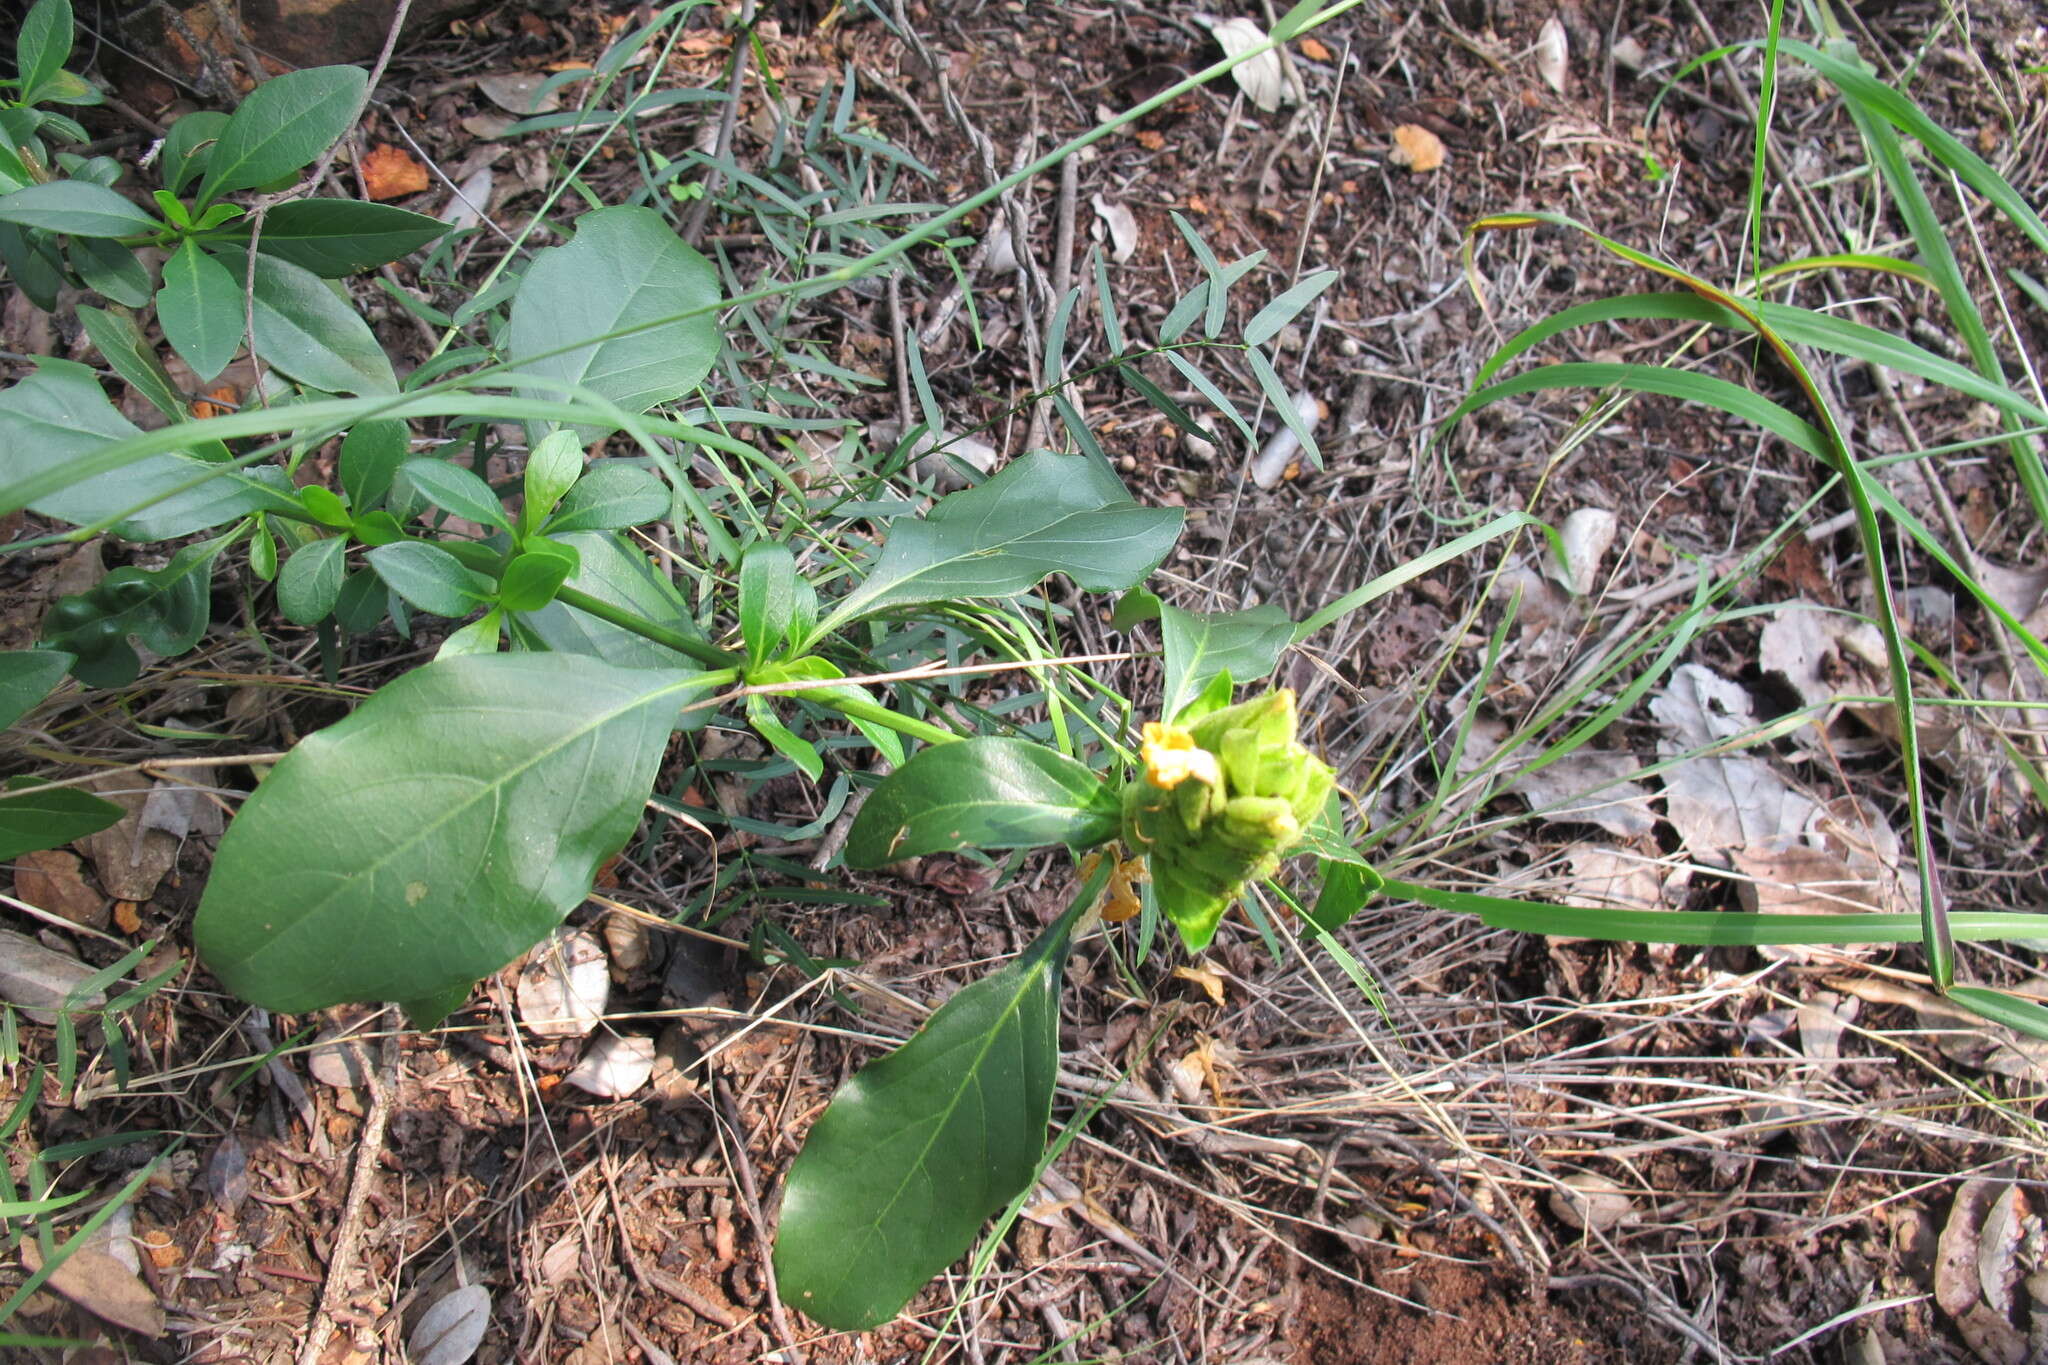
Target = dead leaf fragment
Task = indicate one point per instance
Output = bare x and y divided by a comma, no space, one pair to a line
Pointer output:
38,980
1553,53
515,92
449,1332
1122,226
1590,1201
1587,534
1603,877
391,173
1417,148
53,880
1263,78
1717,801
129,856
564,986
1205,976
1962,1037
101,1285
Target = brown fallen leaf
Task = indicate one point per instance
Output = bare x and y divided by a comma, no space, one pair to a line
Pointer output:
130,856
103,1287
1417,148
391,173
1205,976
51,879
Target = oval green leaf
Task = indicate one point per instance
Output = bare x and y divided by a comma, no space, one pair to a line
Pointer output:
917,1151
77,207
981,793
200,307
624,268
282,126
437,833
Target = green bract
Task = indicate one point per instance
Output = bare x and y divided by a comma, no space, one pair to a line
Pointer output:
1218,804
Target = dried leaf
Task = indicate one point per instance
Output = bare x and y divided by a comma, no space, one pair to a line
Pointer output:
1205,976
1263,78
614,1067
1417,148
37,980
1960,1035
1122,226
1822,654
391,173
53,880
1553,53
1587,534
514,93
472,198
564,987
129,857
1315,51
1603,877
1590,787
449,1332
1719,802
101,1285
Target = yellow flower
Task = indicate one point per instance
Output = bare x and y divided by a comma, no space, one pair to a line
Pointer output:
1171,758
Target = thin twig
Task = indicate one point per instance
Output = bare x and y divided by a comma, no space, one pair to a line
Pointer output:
348,1233
750,1199
728,121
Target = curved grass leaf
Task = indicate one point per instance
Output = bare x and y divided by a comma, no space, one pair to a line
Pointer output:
624,268
437,833
919,1149
1039,515
282,126
990,792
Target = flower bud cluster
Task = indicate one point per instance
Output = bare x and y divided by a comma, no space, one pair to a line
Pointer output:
1218,804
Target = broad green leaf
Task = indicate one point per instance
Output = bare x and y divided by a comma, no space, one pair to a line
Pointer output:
1346,889
303,329
189,145
922,1146
32,262
282,126
370,454
200,307
167,609
478,637
552,469
42,46
26,677
1269,321
532,579
767,598
110,269
441,830
625,267
324,506
452,488
360,607
309,584
611,497
336,237
990,792
1202,644
35,816
60,413
612,570
430,578
1040,514
77,207
121,344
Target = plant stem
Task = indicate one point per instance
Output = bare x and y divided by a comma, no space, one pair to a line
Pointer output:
702,652
877,714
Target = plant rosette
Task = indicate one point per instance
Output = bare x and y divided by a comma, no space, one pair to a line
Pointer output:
1219,802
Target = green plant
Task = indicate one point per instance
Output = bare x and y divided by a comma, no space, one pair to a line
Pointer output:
459,814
